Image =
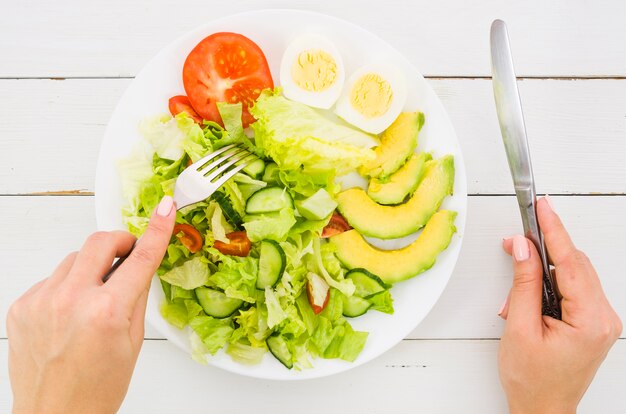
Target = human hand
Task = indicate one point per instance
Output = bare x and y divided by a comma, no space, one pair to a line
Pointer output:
546,365
73,340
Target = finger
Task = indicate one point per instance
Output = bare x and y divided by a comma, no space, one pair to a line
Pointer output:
97,254
557,240
580,288
134,275
525,304
60,273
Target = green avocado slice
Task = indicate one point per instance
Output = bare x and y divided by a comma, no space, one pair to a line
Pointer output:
396,265
397,143
389,222
401,183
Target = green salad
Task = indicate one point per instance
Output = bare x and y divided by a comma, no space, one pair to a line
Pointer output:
286,247
276,260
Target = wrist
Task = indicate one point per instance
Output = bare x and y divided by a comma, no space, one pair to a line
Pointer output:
557,409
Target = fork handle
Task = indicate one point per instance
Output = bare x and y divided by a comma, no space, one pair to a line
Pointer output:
118,263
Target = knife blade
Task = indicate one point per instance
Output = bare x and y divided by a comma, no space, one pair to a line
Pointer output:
512,127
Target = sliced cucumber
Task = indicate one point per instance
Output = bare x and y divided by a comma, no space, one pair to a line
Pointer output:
317,207
278,347
227,209
354,306
268,200
366,283
255,168
272,263
271,173
216,303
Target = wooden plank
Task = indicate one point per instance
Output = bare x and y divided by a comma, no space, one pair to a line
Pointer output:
415,376
40,231
446,38
576,131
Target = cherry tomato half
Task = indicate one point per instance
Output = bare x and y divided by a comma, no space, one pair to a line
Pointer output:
239,244
188,236
336,225
180,103
225,67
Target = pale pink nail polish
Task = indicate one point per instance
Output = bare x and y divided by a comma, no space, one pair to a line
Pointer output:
506,302
165,206
521,249
549,201
502,307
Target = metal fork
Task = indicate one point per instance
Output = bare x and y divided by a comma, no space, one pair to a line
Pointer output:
200,180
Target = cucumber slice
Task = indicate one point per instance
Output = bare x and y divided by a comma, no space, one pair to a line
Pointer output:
271,173
354,306
227,209
278,347
272,263
268,200
366,283
216,303
255,168
317,207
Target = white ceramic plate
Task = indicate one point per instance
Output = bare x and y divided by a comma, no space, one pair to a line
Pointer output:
272,30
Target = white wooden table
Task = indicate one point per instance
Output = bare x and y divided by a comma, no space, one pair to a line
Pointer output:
64,65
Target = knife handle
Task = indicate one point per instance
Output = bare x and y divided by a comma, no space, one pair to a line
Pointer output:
527,201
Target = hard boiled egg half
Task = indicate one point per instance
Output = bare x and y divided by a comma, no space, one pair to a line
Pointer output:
311,71
373,97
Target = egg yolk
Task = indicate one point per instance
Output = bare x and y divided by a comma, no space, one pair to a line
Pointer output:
371,95
314,70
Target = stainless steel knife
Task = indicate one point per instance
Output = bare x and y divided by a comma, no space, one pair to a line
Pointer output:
509,108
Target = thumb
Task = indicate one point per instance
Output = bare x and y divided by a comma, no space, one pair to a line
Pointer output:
526,294
133,277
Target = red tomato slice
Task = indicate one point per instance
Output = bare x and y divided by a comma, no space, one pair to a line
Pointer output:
225,67
188,236
336,225
239,244
180,103
317,307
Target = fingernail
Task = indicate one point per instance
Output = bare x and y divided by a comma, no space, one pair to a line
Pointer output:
521,249
165,206
506,301
549,201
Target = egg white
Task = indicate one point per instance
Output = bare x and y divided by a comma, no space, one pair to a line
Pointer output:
396,79
319,99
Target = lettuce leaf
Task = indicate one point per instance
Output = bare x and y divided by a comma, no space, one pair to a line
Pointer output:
382,302
275,313
295,135
245,354
271,226
164,135
321,264
236,276
190,275
346,343
214,333
180,312
253,326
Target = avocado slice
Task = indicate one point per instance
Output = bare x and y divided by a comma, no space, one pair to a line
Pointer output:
389,222
401,183
396,265
397,143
